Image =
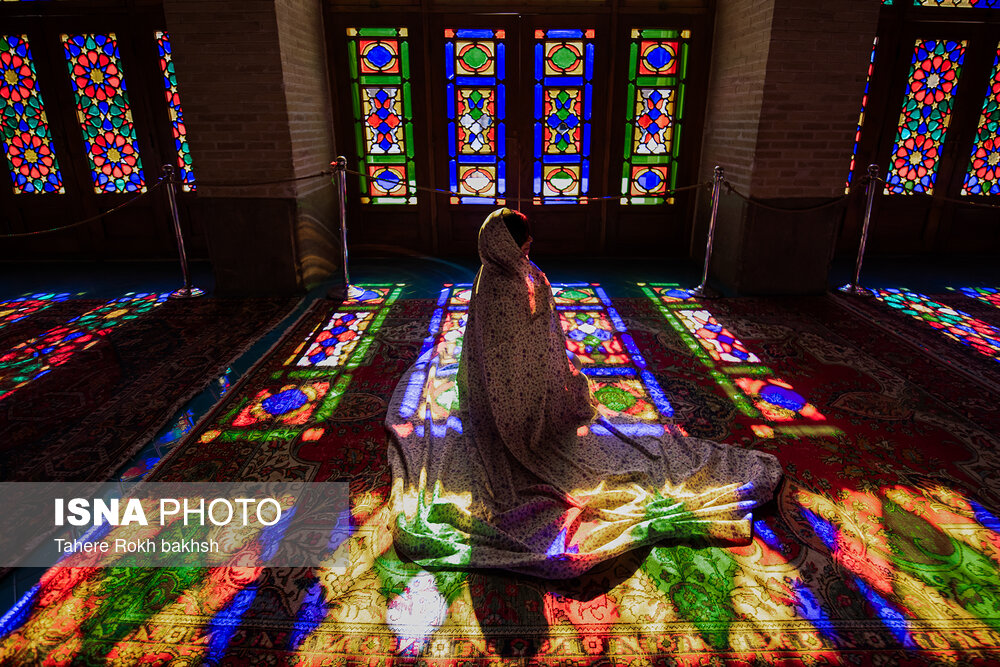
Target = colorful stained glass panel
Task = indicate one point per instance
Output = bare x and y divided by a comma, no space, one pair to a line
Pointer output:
925,116
983,175
475,69
952,322
563,102
176,112
380,84
861,116
26,138
657,79
102,108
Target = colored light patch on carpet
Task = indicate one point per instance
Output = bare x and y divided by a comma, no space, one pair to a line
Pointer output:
592,338
308,388
855,566
17,309
580,295
719,341
34,358
955,324
738,371
988,295
335,342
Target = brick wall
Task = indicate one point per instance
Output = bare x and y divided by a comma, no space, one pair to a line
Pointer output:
253,81
736,88
816,68
230,78
306,87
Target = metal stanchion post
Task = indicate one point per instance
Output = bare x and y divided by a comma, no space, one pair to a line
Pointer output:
187,291
854,287
702,290
340,168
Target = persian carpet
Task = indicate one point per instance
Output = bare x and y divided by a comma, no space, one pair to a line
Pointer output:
84,410
881,549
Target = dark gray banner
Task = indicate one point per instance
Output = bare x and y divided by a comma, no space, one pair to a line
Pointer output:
167,524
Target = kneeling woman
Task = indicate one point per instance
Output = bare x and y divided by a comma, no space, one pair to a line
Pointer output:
531,478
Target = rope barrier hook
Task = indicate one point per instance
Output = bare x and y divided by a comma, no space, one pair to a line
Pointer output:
702,290
854,287
187,291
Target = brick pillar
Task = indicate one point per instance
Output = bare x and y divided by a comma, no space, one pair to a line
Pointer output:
252,79
783,102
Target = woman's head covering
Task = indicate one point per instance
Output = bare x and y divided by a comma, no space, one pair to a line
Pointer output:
497,248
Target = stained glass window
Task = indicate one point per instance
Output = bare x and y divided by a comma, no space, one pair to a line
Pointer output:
26,138
861,116
176,112
475,69
380,71
657,73
103,110
983,175
563,102
925,115
953,323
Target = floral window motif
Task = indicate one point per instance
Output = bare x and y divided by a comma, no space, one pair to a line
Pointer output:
983,175
657,74
27,141
176,112
102,108
925,116
380,72
563,103
475,68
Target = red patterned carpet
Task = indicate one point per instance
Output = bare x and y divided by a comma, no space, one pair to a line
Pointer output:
882,548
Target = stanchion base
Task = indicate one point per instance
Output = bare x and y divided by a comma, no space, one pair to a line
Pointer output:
187,293
856,290
703,292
